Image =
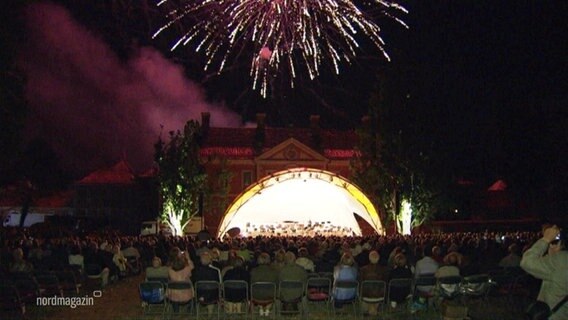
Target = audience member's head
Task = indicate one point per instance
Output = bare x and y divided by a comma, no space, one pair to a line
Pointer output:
400,260
513,249
156,262
18,254
239,262
179,262
436,251
452,259
263,259
374,257
205,258
347,260
303,252
280,256
215,254
290,257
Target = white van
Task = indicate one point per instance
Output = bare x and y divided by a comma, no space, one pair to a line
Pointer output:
156,227
13,219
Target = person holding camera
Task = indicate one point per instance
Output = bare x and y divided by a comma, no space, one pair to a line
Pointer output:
552,268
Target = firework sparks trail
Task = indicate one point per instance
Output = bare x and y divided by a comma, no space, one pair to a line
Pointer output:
283,35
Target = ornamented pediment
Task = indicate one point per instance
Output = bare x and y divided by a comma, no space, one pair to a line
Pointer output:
292,150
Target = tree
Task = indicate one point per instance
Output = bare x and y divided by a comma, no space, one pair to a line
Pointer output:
182,178
393,164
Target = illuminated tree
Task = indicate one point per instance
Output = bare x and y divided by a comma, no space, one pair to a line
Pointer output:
182,178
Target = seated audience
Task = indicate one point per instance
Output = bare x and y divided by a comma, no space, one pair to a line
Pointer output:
119,260
263,273
346,270
291,271
180,270
19,264
205,271
130,251
400,271
96,264
372,271
513,259
304,261
426,266
75,257
234,298
279,260
450,267
157,270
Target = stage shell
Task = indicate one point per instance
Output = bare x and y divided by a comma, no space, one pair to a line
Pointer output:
302,196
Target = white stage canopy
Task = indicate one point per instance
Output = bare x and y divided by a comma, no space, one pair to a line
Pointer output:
300,197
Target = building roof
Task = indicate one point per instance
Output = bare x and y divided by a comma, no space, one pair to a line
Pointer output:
57,200
239,142
120,173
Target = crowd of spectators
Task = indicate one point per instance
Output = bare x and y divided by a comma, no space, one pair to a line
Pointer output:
271,259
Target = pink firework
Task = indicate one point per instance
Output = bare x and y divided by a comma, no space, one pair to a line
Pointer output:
278,35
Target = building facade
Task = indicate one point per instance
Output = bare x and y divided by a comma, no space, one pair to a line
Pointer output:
235,158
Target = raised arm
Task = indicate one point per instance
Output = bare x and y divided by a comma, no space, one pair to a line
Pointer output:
533,260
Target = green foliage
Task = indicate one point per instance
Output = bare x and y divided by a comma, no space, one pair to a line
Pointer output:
224,185
393,163
182,178
220,186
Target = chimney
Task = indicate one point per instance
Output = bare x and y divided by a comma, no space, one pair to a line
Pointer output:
314,121
205,117
259,136
260,117
205,122
315,132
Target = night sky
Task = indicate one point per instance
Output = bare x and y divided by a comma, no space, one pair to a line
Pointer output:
482,79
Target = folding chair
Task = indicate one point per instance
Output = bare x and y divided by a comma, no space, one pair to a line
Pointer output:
235,292
318,292
49,284
425,281
78,272
11,304
152,294
400,291
291,293
134,262
263,294
475,287
511,285
68,282
177,288
351,288
93,273
207,293
28,288
372,292
29,291
448,289
328,275
163,280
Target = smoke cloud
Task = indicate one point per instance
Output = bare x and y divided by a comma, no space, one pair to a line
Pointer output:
92,108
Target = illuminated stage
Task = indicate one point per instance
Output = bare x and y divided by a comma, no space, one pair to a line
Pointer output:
300,202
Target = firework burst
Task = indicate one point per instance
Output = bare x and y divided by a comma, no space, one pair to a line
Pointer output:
278,35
